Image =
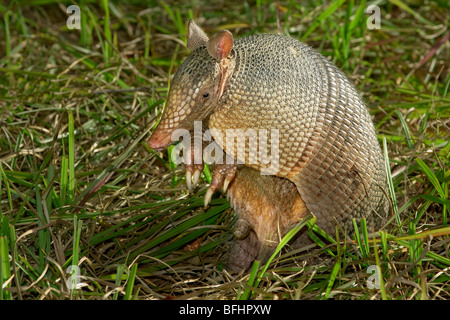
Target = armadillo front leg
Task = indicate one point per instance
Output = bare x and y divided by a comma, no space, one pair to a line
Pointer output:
194,158
223,175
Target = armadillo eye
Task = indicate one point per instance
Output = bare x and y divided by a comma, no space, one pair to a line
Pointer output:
204,95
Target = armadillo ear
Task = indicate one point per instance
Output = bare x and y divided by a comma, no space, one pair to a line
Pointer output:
196,37
220,45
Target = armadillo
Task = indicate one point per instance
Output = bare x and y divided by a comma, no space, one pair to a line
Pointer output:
329,162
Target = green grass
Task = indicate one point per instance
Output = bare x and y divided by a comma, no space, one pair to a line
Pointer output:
79,186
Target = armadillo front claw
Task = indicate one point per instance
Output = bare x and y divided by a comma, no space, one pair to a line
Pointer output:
208,196
225,185
222,177
189,180
196,176
192,175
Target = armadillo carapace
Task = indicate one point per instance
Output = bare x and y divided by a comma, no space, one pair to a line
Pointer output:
318,131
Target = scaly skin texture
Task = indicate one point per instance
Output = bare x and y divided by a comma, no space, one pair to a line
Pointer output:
329,161
328,146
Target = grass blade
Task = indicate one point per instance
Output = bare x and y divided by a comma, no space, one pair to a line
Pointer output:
71,182
4,179
430,174
74,260
362,247
309,218
119,274
390,182
332,279
107,30
251,280
380,274
365,235
63,180
5,267
412,12
130,282
324,15
405,128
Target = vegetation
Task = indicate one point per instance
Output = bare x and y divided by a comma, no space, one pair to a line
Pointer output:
80,187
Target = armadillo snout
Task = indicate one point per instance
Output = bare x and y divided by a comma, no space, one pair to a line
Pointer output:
160,140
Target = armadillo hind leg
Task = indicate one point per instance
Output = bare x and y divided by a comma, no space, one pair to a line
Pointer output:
266,206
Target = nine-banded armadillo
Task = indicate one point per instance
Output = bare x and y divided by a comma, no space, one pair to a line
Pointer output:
328,159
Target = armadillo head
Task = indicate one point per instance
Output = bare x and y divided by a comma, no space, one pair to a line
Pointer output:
198,85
